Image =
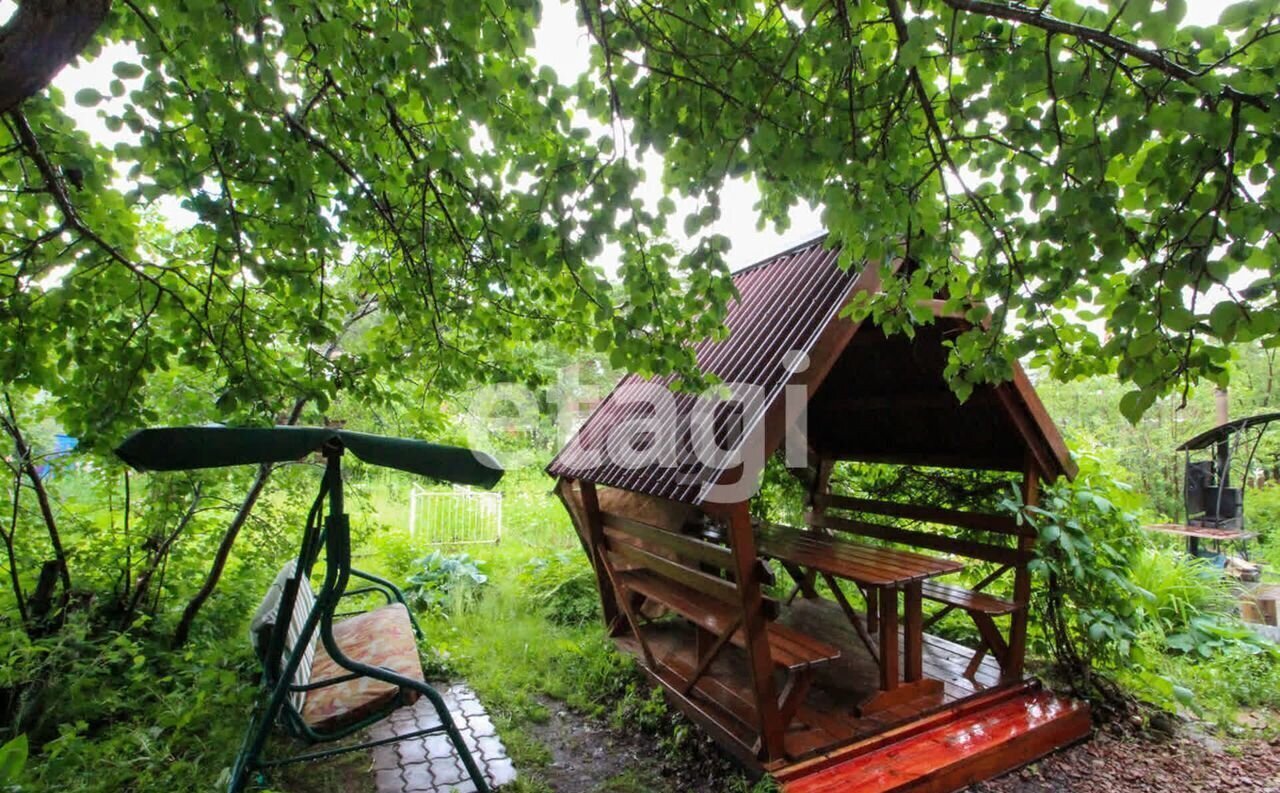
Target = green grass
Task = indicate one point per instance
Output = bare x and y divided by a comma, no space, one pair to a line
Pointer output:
518,655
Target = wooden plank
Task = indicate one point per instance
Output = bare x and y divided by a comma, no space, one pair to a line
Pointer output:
1203,533
992,638
688,547
591,509
760,662
710,615
953,754
789,648
608,602
799,650
1004,524
935,542
723,730
905,701
1048,430
718,588
844,562
848,559
952,713
987,580
968,599
863,634
707,656
1027,427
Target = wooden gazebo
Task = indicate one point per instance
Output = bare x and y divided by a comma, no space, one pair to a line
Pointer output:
819,692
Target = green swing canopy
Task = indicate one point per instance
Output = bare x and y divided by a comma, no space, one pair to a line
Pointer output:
183,448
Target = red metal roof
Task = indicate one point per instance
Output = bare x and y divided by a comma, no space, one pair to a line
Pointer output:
663,449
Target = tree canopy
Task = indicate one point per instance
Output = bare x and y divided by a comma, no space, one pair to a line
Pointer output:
409,175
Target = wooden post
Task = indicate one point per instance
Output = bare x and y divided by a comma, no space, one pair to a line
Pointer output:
913,630
1022,580
742,543
888,599
595,539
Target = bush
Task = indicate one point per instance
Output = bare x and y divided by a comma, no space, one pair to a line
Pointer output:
1262,511
564,587
1177,589
124,712
1115,603
446,584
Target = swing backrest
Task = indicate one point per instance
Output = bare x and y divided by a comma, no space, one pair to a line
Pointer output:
268,616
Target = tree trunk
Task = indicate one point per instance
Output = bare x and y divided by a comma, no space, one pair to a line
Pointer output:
143,585
40,38
28,466
183,631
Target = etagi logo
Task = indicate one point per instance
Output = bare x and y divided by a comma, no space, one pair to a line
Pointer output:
714,441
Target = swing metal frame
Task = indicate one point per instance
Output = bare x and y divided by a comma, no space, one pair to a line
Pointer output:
327,530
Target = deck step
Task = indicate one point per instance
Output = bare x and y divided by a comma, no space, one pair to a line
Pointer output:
976,746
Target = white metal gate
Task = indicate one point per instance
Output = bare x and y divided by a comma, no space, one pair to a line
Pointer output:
460,516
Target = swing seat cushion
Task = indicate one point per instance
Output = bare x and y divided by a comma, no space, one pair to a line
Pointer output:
384,638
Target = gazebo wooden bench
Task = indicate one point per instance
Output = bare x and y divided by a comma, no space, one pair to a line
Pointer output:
982,607
646,564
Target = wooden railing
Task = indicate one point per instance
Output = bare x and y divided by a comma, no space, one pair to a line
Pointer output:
1003,524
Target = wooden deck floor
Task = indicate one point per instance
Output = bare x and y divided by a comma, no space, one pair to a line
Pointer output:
828,718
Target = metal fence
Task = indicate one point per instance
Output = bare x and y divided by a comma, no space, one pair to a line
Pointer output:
460,516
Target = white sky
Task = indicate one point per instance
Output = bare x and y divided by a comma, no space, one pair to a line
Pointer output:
564,45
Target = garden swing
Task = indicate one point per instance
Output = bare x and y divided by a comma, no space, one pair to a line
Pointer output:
324,679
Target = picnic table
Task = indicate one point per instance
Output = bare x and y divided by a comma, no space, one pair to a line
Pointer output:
881,573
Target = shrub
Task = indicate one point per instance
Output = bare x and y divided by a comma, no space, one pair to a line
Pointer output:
446,584
1087,540
564,586
1180,592
1115,603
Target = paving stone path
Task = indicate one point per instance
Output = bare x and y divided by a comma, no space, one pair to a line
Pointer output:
429,764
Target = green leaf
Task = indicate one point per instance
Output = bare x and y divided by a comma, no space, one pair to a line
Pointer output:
1183,694
13,759
127,71
88,97
1224,318
1134,403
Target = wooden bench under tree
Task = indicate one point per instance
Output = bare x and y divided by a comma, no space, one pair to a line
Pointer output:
981,607
694,579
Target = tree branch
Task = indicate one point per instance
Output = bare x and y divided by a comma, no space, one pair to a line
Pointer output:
1016,12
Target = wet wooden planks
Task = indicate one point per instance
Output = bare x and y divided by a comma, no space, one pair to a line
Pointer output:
827,719
867,564
955,752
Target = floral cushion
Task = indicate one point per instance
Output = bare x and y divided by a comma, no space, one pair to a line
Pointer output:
383,637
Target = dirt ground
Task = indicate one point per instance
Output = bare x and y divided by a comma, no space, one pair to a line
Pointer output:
591,757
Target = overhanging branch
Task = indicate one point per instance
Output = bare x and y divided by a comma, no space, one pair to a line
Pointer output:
1016,12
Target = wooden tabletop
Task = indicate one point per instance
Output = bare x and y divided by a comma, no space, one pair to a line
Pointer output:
844,558
1202,532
